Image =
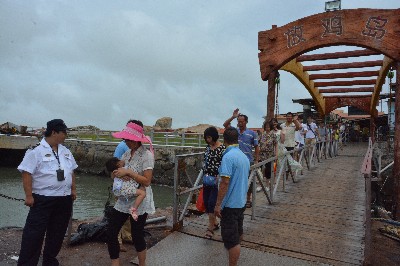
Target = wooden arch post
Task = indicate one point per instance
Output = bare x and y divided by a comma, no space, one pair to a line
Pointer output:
271,96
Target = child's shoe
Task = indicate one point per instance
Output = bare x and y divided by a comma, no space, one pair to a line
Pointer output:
134,214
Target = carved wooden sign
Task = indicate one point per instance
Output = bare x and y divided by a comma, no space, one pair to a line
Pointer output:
375,29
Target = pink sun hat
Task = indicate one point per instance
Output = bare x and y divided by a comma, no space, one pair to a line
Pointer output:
134,132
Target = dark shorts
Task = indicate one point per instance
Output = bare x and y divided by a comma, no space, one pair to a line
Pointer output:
267,170
232,226
289,148
210,194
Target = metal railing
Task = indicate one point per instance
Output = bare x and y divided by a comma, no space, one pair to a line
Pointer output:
308,155
157,137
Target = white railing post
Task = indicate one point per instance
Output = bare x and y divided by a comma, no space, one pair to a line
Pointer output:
175,200
152,135
253,196
183,139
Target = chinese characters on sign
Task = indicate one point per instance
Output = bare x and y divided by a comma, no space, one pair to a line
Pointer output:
294,36
375,27
332,26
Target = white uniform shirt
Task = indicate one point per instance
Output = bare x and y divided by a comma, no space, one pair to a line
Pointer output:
289,131
142,160
310,128
41,163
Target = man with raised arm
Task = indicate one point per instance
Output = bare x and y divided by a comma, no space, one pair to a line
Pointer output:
247,140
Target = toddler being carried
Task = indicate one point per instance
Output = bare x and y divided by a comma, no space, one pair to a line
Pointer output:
123,186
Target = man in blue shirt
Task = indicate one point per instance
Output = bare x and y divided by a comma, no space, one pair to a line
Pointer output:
120,149
231,200
247,140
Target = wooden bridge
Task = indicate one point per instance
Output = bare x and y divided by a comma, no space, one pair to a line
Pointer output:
317,220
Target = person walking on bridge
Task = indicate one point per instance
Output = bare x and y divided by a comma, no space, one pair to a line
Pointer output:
231,200
212,161
311,135
289,128
247,140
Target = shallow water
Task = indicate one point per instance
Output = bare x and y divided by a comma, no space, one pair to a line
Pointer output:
92,194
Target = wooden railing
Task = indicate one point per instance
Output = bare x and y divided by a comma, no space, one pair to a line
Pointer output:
309,156
366,171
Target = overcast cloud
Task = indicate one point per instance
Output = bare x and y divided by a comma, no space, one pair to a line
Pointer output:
103,62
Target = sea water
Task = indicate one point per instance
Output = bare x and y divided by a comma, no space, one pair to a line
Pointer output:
92,195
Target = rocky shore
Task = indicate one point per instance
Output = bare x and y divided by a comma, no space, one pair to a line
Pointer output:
88,253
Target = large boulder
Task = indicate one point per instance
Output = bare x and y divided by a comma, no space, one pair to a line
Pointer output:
164,123
199,128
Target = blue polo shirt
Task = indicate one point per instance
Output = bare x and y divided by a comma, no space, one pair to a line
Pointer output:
120,149
247,140
236,166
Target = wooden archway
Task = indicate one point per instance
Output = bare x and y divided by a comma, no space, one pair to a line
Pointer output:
374,29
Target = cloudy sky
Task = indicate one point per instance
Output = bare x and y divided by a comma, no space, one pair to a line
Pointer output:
103,62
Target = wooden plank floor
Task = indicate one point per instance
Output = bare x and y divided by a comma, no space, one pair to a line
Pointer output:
319,218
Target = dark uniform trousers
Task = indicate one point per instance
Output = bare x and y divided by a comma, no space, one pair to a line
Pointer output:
49,216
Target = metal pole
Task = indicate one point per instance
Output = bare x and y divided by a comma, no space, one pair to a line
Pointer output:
372,126
253,207
175,223
396,151
183,139
152,135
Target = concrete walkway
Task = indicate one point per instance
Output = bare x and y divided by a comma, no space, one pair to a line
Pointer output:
182,249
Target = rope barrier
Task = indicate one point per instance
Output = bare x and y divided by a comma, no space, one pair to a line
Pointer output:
11,198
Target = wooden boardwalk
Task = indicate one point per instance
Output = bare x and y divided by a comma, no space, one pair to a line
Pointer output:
320,218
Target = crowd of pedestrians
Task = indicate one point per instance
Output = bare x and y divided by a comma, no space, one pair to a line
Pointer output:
49,181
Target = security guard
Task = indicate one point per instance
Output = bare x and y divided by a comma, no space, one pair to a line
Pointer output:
49,184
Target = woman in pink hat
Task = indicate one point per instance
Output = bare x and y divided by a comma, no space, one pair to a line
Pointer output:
139,164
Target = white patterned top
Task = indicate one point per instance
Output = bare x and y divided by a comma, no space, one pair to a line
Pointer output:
142,160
